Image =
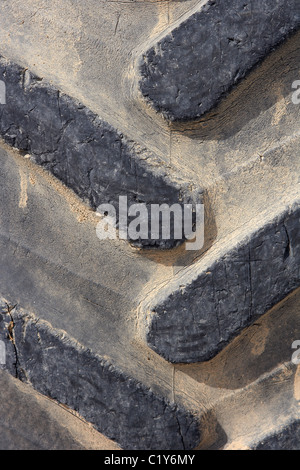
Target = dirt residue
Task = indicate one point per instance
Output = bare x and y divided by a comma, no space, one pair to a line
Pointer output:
297,384
23,193
259,340
280,107
31,172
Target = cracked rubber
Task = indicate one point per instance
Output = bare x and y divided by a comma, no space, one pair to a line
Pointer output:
30,421
228,294
87,154
42,356
237,34
156,349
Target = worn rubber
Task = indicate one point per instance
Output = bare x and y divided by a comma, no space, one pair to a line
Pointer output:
154,348
237,35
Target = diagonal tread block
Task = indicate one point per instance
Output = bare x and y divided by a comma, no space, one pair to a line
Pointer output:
285,438
199,314
86,153
217,45
36,423
61,368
